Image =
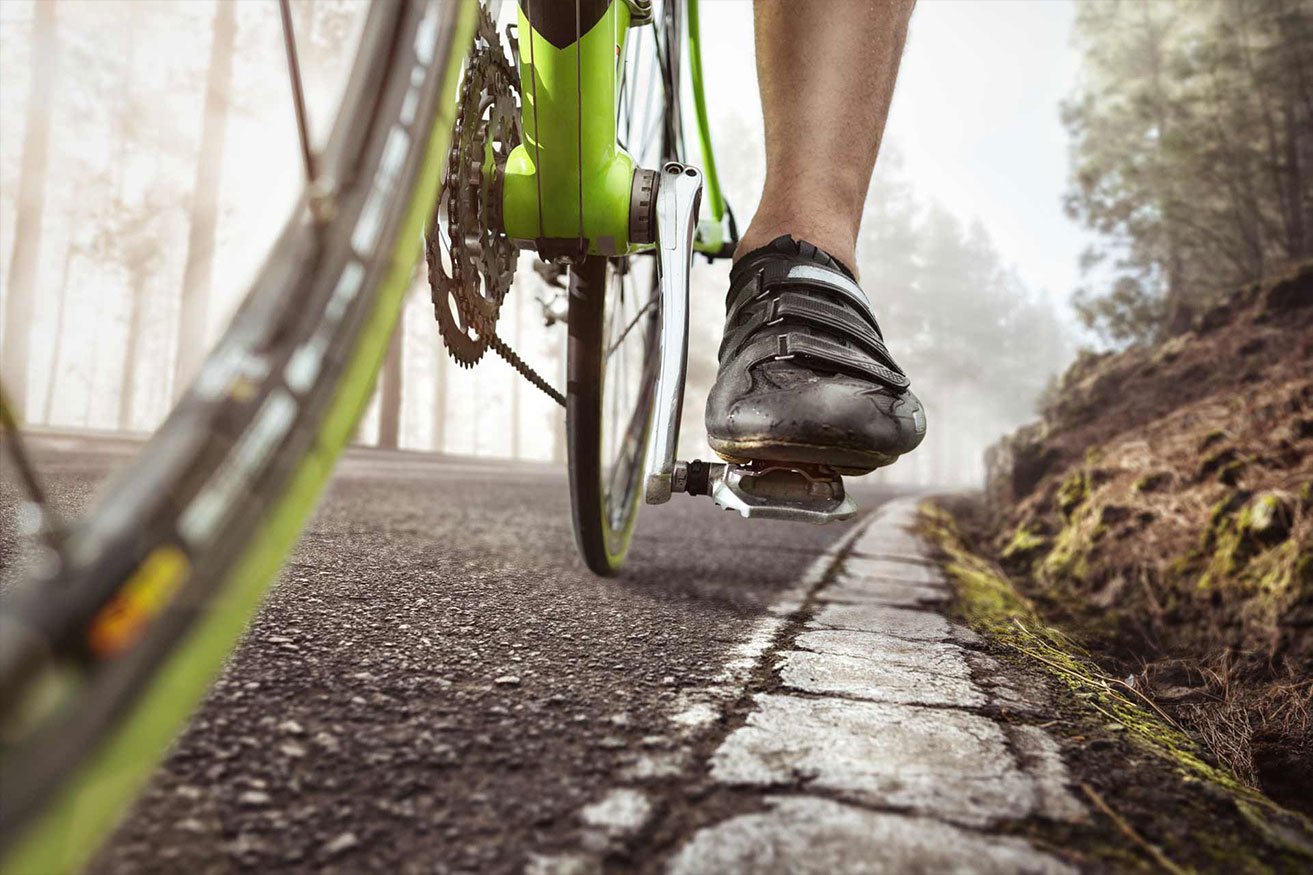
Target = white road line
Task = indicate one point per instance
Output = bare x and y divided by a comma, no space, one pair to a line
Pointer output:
880,710
694,711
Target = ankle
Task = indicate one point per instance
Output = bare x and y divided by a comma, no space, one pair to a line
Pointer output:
820,224
833,241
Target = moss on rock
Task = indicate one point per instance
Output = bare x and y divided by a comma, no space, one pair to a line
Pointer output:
1248,546
1025,546
1072,492
1151,482
995,609
1216,461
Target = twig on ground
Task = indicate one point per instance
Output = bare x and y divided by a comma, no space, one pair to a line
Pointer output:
1096,676
1158,856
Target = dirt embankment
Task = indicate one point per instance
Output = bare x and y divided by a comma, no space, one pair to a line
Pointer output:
1162,512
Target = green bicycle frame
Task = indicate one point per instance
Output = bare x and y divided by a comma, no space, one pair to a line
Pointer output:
570,180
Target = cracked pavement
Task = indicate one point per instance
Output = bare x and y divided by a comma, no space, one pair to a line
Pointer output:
436,685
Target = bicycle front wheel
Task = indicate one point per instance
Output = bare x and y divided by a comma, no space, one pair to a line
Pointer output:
103,658
614,320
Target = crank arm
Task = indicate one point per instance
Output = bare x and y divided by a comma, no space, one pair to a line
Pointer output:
678,195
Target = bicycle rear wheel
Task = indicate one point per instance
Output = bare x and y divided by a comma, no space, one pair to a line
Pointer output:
104,657
614,319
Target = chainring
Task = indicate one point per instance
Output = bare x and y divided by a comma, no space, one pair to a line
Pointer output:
471,262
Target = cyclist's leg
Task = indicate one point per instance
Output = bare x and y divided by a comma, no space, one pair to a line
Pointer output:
826,70
805,375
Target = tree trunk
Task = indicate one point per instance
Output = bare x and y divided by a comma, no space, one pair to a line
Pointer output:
516,380
61,310
205,200
473,415
1299,243
558,415
21,299
389,402
1179,316
440,398
137,272
131,350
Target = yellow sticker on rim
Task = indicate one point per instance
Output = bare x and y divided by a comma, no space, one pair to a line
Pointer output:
146,593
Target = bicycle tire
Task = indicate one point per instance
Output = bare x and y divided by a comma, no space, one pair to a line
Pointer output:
163,576
603,537
604,511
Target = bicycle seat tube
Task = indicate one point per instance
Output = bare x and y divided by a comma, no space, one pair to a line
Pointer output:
570,180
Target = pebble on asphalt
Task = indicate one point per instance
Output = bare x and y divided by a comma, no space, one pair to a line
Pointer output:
344,842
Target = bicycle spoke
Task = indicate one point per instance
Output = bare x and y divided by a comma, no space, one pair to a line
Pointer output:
650,305
319,198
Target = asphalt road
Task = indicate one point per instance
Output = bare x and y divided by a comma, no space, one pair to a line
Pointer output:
437,684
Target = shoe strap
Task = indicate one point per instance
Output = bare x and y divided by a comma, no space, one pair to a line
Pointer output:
819,353
794,308
798,274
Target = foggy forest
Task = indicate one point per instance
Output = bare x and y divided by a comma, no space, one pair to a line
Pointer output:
149,157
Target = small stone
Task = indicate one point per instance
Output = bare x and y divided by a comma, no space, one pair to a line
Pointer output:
253,799
293,750
188,791
622,811
291,727
1270,518
246,845
507,680
343,843
612,742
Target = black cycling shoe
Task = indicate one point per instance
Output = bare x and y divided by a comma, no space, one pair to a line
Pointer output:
804,372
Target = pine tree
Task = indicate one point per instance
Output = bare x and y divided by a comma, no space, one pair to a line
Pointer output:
205,199
21,283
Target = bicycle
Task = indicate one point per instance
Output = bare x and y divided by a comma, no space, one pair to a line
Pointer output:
574,150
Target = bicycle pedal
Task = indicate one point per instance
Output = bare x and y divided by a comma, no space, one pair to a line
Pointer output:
778,491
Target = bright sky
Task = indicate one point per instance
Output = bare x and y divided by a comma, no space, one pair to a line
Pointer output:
975,115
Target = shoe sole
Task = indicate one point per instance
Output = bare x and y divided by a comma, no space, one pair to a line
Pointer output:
844,461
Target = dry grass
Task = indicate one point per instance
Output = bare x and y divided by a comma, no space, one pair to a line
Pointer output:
1175,531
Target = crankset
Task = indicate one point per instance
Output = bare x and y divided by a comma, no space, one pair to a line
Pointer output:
784,490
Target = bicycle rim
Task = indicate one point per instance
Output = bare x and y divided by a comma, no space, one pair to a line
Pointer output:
165,573
614,320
